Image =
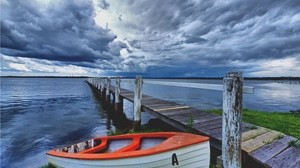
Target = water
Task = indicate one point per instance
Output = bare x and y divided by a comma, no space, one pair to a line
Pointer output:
40,114
268,96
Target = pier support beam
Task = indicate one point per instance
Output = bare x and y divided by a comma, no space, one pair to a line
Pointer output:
232,120
102,88
98,85
107,99
118,102
137,103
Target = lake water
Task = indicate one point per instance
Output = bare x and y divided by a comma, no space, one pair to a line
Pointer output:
39,114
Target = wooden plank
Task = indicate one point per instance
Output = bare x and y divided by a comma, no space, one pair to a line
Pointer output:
129,98
247,127
259,141
269,151
176,112
253,133
213,121
127,94
207,119
186,117
198,114
171,108
212,124
217,135
289,158
150,101
126,91
147,100
297,165
214,133
162,105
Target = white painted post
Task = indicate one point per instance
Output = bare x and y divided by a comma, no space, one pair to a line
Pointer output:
108,91
98,84
117,94
117,90
137,103
102,87
232,120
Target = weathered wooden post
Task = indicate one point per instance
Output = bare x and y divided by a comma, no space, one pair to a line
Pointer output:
93,81
102,88
137,103
232,120
96,84
118,105
108,91
99,84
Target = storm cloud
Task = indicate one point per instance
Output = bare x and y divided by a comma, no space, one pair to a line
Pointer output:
62,31
157,38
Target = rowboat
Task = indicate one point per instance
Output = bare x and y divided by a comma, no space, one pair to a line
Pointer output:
160,149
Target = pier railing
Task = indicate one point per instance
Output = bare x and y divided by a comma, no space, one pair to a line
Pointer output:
232,88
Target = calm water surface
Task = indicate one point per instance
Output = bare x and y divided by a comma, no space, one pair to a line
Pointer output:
41,114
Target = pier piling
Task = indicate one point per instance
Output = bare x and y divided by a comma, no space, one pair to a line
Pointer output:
232,120
107,91
137,103
118,102
102,88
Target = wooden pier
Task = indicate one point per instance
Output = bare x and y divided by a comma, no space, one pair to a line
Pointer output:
260,147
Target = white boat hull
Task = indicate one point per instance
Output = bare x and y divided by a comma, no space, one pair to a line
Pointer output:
197,155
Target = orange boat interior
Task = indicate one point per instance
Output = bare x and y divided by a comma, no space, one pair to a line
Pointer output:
128,145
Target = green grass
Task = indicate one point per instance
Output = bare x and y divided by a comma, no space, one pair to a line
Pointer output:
287,123
47,166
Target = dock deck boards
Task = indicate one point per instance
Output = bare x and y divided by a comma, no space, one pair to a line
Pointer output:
267,147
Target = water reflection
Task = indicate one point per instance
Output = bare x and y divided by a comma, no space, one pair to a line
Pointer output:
38,115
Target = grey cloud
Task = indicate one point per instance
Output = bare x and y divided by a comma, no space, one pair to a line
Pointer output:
65,31
223,31
168,33
198,40
103,4
114,48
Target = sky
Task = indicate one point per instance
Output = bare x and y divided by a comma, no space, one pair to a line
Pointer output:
153,38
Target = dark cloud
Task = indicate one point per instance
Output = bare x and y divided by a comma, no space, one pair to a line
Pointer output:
64,31
103,4
219,31
181,37
195,40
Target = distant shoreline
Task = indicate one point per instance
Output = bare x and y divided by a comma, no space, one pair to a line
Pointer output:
246,78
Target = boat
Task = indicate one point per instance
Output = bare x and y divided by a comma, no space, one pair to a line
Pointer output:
159,149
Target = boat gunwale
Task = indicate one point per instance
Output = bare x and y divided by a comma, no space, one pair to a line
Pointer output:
175,140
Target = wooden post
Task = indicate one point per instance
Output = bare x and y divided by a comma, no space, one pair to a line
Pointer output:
117,95
102,88
232,120
96,84
137,103
108,91
99,84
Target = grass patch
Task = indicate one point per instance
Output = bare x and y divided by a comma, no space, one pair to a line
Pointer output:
190,124
48,166
287,123
294,143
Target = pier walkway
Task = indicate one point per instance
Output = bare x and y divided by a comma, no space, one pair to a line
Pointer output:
261,147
